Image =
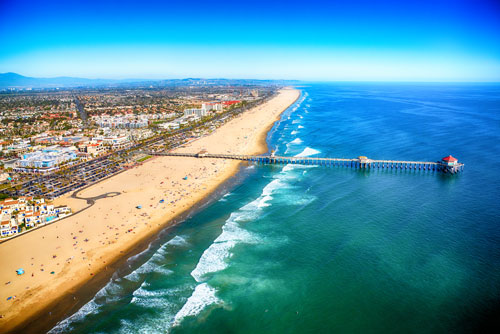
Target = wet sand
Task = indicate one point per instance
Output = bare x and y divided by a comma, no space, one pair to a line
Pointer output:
61,258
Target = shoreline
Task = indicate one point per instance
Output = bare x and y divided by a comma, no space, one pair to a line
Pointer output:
66,305
85,289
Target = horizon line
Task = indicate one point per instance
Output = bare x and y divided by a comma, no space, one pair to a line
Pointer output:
259,79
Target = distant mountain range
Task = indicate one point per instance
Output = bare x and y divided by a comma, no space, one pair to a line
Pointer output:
14,80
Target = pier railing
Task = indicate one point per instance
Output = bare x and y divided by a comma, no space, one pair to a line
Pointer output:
360,163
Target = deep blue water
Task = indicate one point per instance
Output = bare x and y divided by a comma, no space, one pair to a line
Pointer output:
322,250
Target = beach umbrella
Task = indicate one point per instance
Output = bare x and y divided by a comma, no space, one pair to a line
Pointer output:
20,271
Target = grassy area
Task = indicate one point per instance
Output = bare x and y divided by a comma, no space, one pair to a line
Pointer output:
144,158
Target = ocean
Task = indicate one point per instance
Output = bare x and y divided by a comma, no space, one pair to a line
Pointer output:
304,249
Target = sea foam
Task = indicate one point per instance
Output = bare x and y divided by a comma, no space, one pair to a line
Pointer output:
203,296
65,325
308,152
153,265
214,257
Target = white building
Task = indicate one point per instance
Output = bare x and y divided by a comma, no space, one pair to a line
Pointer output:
8,226
196,111
47,158
129,121
217,107
169,125
140,134
116,141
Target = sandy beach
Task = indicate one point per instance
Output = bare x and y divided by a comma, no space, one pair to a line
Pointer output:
60,258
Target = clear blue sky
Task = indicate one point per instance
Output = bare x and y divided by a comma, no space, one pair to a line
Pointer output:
400,40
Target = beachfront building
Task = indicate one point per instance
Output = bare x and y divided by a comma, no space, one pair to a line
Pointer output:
215,106
122,122
141,134
18,147
129,121
115,142
93,148
169,125
200,112
8,226
47,159
60,140
10,163
27,211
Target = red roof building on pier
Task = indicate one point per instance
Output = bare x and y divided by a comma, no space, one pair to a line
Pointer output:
449,160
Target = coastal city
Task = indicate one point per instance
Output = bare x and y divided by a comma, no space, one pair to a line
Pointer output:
57,141
262,167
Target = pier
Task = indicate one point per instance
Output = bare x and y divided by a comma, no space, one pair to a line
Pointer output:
446,165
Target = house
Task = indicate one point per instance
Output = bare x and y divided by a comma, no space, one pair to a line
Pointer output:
22,211
8,226
39,200
30,219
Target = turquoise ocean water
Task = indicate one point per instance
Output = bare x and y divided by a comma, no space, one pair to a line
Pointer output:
334,250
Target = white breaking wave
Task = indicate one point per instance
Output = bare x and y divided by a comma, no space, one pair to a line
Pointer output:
156,299
112,291
294,132
300,127
308,152
214,257
166,301
203,296
147,268
178,241
63,326
296,141
134,257
151,265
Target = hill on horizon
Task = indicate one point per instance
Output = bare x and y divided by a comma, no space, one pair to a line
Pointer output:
18,81
15,80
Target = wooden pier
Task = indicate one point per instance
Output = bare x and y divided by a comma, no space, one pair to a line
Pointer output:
360,162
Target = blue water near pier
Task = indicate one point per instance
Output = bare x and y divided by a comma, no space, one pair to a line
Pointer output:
304,249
